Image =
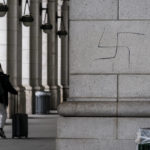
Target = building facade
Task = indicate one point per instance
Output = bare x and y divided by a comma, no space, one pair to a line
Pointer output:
109,75
105,70
29,55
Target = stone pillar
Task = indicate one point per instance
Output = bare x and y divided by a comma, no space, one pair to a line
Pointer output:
14,53
35,50
52,55
65,51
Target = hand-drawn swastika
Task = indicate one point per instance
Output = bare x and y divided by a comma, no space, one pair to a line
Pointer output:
117,46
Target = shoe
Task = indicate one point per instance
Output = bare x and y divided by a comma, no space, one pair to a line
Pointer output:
2,134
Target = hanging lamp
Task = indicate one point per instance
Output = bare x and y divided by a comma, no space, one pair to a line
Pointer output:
27,19
46,26
3,9
62,32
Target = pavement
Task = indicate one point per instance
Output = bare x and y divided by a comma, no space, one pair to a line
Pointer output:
42,134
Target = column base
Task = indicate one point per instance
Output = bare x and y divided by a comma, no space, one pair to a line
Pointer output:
55,98
46,88
28,93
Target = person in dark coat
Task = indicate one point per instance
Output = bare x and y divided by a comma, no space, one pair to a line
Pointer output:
5,87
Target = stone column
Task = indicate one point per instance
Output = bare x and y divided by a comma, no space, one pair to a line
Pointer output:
52,55
65,51
14,52
35,50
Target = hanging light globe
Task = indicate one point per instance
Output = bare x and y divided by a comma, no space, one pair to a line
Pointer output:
27,20
62,33
3,9
46,28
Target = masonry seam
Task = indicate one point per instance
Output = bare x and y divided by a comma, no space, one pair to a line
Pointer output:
118,11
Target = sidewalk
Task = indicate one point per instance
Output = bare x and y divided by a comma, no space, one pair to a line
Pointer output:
42,133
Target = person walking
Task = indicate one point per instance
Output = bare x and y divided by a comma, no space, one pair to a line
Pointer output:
5,87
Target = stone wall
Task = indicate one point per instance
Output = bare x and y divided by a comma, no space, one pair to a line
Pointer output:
109,74
109,50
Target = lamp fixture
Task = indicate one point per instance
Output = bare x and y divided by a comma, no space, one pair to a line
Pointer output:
3,9
46,26
27,19
62,32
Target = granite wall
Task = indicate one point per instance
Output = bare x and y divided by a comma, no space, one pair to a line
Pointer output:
109,50
109,94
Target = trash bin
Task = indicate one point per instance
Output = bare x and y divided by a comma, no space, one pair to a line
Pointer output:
144,147
42,102
143,139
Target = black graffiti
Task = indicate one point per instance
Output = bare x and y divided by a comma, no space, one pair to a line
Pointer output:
117,46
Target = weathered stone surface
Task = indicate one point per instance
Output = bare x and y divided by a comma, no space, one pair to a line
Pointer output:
95,9
74,133
134,86
94,144
132,47
117,144
86,127
92,99
93,86
134,109
128,127
77,144
88,109
134,9
105,109
134,99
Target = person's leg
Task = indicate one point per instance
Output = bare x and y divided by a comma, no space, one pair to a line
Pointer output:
3,116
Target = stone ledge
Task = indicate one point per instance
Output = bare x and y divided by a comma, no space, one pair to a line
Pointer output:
105,109
87,109
134,109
